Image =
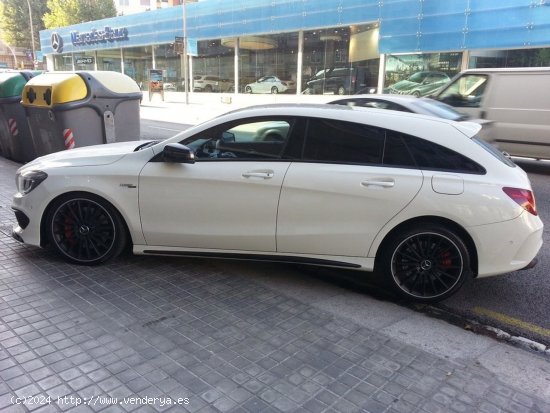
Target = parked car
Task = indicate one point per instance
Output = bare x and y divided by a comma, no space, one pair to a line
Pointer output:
412,104
420,200
404,103
514,99
209,83
270,84
169,86
338,81
419,84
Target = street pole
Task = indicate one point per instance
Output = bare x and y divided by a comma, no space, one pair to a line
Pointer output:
185,67
13,54
32,36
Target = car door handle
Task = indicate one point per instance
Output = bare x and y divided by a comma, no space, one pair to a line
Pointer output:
258,174
389,183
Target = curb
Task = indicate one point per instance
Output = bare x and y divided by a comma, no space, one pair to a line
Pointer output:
484,329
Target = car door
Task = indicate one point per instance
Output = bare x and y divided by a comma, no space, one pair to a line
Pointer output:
338,197
266,84
227,199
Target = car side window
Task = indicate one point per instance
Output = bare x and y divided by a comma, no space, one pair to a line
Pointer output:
245,140
343,142
426,155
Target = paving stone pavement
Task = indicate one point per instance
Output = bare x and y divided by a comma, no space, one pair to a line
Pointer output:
148,334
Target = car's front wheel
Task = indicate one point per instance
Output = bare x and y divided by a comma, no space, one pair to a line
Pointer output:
85,229
426,263
274,90
248,89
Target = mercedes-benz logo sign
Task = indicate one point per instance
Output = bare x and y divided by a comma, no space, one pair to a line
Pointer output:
57,42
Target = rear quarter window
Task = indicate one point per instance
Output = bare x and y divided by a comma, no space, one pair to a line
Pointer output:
431,156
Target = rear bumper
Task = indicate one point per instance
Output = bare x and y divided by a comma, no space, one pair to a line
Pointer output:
508,246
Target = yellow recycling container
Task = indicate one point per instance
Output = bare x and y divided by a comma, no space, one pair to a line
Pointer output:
67,110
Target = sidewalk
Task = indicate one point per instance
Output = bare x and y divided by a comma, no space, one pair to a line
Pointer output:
203,106
154,334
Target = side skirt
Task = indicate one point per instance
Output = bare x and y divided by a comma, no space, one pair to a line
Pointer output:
255,257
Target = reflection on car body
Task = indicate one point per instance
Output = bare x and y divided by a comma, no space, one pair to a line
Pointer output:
420,199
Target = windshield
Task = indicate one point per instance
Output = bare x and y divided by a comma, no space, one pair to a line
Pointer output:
439,109
466,91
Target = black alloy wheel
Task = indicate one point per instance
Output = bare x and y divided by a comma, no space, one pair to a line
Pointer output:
427,264
85,229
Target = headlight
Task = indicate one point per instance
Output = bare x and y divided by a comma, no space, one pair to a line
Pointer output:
29,180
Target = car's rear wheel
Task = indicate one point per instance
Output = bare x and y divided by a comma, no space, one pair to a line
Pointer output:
85,229
426,263
274,90
341,90
208,89
248,89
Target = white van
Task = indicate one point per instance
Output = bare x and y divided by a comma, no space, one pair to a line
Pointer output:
516,100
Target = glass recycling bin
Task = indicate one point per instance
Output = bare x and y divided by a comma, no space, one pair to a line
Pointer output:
67,110
15,137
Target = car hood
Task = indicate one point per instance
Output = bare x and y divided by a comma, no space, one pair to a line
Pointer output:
404,85
86,156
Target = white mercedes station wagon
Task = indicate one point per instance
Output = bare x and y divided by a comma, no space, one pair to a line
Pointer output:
420,200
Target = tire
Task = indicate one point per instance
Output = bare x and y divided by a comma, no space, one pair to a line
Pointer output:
341,90
208,89
248,89
85,229
425,263
416,93
274,90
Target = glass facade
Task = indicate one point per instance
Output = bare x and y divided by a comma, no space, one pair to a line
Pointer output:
329,47
538,57
338,60
137,62
420,74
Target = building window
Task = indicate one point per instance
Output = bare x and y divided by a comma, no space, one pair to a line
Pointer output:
420,74
539,57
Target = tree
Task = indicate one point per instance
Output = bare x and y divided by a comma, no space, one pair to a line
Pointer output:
15,22
68,12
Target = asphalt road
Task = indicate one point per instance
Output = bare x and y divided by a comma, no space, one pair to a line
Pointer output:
516,302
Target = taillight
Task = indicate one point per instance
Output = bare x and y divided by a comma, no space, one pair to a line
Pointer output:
522,197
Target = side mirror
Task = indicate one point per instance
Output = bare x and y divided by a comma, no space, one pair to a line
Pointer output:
228,137
178,153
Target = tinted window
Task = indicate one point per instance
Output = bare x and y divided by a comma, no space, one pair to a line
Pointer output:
345,142
494,151
429,155
396,152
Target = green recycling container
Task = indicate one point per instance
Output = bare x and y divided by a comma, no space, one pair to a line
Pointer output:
15,137
67,110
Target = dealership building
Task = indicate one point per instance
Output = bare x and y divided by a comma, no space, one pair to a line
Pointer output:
378,42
